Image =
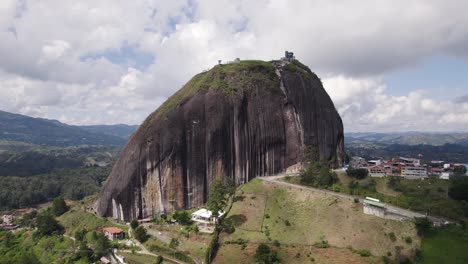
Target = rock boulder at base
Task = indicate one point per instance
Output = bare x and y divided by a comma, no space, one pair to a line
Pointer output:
236,121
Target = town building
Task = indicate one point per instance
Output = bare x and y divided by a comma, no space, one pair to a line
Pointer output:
374,162
377,171
435,171
113,233
414,172
445,175
409,161
205,216
358,162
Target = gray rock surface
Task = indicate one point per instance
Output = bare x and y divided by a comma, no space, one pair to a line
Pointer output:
234,121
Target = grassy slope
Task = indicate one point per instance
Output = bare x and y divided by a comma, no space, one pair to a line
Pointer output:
424,196
78,218
262,211
447,245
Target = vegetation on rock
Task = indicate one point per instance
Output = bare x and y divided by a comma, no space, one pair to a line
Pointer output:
228,77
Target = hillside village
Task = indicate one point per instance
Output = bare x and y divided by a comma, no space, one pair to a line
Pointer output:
409,168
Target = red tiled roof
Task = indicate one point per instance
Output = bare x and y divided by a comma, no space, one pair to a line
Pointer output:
112,230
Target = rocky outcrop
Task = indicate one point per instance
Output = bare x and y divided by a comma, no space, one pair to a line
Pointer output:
238,121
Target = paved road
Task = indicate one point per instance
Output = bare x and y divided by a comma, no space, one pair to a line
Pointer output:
390,208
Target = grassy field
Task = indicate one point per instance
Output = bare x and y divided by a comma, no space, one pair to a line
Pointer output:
445,245
196,244
293,255
265,212
425,196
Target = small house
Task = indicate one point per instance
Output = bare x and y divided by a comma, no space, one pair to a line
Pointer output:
205,216
373,206
113,233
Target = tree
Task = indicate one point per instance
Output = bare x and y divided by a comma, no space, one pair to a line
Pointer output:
47,225
134,224
459,170
182,217
217,199
101,245
423,225
85,252
159,259
357,173
318,174
264,255
174,243
80,235
141,234
459,188
59,206
311,154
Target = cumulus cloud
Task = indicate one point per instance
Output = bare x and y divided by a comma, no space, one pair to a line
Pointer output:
64,60
365,105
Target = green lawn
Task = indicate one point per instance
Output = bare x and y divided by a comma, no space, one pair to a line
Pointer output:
445,245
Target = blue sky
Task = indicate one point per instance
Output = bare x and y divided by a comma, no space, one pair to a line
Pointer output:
439,76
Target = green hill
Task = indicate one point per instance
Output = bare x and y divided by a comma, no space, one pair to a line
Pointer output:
39,131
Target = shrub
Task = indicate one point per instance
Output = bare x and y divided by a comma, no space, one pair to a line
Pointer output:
408,240
459,188
322,243
264,255
47,225
392,236
276,243
59,207
134,224
182,217
423,225
357,173
362,252
159,260
287,223
140,234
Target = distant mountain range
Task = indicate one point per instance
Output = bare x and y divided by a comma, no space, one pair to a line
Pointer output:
120,130
408,138
433,146
39,131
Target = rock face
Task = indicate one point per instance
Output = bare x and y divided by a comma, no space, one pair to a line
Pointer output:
238,121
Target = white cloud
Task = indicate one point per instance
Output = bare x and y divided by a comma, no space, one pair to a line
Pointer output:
365,105
59,58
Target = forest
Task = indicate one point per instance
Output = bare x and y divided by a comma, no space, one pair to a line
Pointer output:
73,184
